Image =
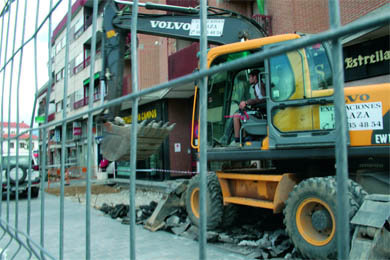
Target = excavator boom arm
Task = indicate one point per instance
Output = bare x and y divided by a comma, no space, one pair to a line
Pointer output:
221,29
224,27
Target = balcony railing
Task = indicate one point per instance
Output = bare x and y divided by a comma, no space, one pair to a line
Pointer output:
78,104
84,102
86,62
51,117
78,68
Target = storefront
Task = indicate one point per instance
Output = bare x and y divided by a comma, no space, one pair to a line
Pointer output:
175,157
367,59
153,111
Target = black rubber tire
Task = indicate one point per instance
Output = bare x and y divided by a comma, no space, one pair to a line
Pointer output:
358,193
34,192
22,174
314,195
214,204
229,216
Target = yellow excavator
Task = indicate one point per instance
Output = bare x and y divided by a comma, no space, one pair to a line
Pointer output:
287,165
285,160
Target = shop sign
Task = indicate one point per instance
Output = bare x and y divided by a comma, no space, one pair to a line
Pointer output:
145,115
77,130
367,59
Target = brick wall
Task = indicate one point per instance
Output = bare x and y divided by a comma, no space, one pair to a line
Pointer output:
153,60
353,9
311,16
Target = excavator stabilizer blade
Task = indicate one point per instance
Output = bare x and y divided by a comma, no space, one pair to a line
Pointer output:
115,145
172,199
372,233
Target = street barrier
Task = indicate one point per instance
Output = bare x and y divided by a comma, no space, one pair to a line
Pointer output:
11,228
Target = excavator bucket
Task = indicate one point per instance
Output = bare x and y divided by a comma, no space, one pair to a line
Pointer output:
115,145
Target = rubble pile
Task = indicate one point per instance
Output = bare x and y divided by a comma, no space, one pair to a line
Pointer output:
256,233
117,211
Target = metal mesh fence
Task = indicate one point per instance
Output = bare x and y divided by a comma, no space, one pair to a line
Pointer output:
23,24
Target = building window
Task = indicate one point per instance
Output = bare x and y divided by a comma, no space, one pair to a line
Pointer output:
23,145
79,94
79,63
59,106
12,145
78,27
71,99
60,75
60,45
53,51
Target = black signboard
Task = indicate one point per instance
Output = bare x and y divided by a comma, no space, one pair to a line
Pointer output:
367,59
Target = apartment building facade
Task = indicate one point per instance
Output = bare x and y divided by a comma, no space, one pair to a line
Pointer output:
162,59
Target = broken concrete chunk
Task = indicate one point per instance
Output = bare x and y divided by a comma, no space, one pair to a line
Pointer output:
225,238
172,221
191,233
248,243
212,236
181,228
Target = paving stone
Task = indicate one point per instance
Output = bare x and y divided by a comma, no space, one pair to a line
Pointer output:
109,238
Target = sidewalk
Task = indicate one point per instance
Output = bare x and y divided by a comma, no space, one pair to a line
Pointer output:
109,238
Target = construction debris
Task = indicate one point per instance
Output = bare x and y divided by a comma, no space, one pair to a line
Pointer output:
117,211
168,205
257,237
115,145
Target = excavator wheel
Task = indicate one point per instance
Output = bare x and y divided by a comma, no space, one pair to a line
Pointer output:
310,217
358,193
230,214
214,205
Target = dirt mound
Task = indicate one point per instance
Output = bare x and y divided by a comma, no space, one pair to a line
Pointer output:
75,190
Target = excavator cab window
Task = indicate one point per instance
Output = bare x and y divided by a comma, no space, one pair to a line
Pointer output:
301,98
282,78
320,70
216,106
240,90
225,92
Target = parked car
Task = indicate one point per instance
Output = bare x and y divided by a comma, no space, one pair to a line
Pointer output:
18,173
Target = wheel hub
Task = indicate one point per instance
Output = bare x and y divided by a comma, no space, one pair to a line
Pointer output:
321,220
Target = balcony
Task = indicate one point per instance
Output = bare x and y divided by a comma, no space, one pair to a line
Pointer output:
51,117
84,102
86,62
78,104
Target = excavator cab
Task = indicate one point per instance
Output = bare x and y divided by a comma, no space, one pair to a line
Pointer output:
236,88
298,111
